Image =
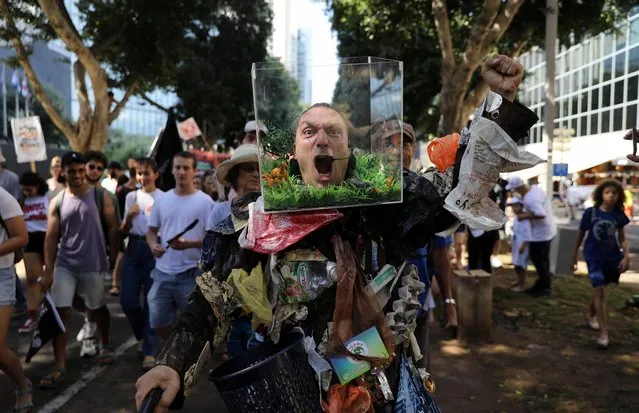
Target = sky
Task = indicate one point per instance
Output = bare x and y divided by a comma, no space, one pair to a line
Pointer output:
310,16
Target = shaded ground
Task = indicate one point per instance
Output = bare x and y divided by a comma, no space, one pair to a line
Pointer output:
541,357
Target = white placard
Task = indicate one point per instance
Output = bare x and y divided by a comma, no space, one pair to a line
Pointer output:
28,139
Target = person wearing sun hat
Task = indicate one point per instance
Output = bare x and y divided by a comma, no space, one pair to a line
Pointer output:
242,174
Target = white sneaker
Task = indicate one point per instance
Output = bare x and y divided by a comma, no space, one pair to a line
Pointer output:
89,348
495,262
88,330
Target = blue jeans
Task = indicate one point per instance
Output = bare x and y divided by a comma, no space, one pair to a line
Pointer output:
136,275
168,296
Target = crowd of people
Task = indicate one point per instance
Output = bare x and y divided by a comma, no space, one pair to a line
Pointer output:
80,229
94,221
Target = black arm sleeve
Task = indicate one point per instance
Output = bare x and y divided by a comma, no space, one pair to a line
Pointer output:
187,339
514,118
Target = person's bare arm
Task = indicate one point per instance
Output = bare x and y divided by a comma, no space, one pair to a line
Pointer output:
575,253
152,239
623,240
112,228
18,235
182,244
51,240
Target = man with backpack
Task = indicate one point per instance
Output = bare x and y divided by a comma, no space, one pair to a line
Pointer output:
75,256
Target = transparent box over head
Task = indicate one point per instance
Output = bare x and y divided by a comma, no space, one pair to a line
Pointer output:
334,133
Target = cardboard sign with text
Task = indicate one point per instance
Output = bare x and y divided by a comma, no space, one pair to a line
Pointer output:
28,139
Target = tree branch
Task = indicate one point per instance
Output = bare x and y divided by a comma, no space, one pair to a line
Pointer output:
440,15
501,24
475,97
481,27
122,103
517,47
99,49
154,103
66,31
23,58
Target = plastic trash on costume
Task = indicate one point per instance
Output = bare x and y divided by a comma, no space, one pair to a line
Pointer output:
489,151
341,277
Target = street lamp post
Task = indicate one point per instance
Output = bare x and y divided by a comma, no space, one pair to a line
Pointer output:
549,103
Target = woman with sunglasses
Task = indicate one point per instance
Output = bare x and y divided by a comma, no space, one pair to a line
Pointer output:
242,174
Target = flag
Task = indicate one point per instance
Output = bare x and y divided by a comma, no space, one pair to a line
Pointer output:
49,326
25,88
15,80
167,144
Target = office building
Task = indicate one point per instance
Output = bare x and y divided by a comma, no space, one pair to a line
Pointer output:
597,95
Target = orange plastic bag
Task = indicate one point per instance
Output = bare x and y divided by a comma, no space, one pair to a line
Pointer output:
348,399
442,151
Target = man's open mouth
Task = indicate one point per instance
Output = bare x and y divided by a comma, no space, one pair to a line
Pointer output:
324,164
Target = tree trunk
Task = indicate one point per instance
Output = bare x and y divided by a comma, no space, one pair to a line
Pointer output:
92,126
451,98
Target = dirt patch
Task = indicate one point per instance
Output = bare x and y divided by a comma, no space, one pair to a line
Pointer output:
541,358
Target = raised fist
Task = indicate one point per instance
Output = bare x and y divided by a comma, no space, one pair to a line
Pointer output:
503,75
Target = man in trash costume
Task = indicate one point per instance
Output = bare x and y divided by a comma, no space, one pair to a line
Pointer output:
359,244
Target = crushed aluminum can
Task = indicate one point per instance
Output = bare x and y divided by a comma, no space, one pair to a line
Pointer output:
382,383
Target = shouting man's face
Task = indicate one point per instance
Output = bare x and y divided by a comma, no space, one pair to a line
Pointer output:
321,147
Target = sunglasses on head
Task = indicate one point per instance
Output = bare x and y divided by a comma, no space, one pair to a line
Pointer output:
98,167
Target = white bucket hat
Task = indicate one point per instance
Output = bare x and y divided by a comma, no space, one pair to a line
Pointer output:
246,153
253,126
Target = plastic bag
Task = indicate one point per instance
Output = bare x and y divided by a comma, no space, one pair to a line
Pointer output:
348,399
272,233
490,151
252,291
356,306
412,396
441,151
303,281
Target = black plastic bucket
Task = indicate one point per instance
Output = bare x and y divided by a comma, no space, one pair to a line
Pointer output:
270,379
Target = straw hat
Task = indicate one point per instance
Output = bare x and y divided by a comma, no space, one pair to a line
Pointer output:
246,153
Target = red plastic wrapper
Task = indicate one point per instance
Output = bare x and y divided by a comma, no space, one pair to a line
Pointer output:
272,233
442,151
348,399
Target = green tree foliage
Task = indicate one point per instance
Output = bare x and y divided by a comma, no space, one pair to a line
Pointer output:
137,46
406,30
213,81
121,146
278,105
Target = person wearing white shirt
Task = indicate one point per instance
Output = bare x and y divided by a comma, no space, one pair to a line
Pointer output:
537,209
521,235
13,236
35,209
176,262
138,260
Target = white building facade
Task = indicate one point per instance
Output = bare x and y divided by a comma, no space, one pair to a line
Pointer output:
596,95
